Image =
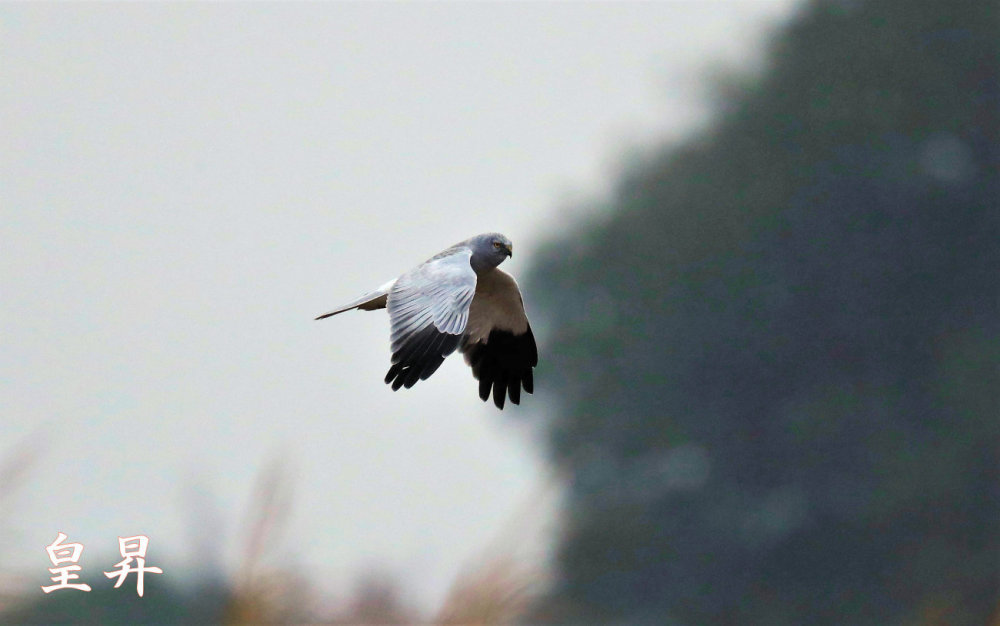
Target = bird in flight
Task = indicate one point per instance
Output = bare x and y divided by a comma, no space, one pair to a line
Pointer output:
458,298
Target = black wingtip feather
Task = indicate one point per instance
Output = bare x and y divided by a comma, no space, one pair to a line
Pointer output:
421,355
499,391
393,372
502,364
430,368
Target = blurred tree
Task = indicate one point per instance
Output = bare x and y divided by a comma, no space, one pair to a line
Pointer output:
776,358
104,605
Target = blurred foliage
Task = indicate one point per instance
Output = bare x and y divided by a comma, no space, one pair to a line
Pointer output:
495,587
160,604
775,357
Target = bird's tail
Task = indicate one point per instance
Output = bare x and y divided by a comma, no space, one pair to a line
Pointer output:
368,302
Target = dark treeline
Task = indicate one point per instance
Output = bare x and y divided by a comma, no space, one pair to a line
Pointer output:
774,360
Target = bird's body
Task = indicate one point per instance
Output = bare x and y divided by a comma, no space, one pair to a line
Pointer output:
458,299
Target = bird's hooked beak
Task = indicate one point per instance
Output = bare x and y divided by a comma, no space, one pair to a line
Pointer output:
510,250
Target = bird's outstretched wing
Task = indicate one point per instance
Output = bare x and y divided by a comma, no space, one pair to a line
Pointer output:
428,312
498,342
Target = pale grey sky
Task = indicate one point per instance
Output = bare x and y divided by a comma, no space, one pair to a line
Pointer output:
183,187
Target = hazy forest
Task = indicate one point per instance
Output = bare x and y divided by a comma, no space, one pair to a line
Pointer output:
799,309
775,368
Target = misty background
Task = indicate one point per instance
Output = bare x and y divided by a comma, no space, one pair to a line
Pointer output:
757,242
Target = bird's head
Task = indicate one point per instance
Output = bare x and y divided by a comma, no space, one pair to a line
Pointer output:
490,249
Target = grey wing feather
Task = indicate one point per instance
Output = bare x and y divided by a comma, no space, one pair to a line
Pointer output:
428,312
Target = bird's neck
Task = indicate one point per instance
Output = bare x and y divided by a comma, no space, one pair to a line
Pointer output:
479,266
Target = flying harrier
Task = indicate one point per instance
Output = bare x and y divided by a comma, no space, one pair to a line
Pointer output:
458,299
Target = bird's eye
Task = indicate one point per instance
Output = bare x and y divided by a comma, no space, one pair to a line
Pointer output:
496,244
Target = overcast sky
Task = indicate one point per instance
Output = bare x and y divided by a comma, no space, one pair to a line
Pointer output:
184,187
